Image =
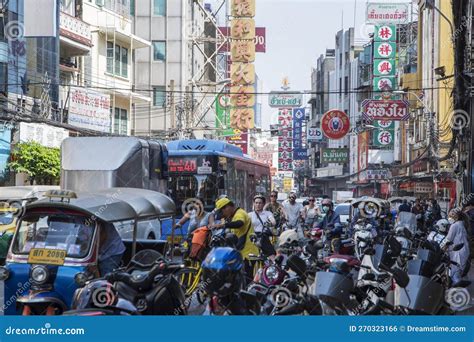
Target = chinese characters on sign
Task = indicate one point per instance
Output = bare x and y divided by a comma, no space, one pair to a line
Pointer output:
285,140
242,51
299,153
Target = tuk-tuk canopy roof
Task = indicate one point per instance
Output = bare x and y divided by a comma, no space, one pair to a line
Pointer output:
12,193
378,201
114,204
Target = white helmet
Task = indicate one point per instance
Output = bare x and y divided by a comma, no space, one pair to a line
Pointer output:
442,226
288,237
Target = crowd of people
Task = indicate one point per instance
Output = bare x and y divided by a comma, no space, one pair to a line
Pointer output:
275,217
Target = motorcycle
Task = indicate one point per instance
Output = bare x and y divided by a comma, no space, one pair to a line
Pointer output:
147,286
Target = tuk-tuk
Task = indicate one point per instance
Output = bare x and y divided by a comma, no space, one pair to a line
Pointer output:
371,208
57,243
12,199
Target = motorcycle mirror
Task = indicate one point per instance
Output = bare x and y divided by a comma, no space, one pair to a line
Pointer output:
458,247
400,277
297,264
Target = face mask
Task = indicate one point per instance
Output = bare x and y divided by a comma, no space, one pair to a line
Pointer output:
451,220
325,209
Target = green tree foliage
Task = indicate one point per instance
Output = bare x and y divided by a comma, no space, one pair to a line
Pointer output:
41,164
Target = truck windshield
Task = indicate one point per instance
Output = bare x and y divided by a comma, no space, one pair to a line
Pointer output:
72,234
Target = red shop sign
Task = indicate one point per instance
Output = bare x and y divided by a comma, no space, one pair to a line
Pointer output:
335,124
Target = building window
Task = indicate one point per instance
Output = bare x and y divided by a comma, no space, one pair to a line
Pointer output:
159,96
119,55
120,121
159,7
159,51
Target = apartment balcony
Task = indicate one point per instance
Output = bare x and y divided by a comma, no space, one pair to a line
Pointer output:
75,36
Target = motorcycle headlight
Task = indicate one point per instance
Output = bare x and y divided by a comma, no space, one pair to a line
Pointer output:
39,274
272,273
4,273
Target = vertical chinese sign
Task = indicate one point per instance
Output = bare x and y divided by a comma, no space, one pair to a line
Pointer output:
242,37
285,140
385,52
299,153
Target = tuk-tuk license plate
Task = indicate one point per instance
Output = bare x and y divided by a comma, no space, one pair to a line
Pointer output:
47,256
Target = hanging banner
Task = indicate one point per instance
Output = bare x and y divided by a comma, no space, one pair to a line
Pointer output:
335,124
299,153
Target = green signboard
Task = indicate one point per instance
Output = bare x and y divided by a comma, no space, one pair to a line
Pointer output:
385,83
223,115
335,155
384,134
385,50
385,33
384,67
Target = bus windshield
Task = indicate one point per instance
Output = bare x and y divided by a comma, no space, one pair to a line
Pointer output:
186,187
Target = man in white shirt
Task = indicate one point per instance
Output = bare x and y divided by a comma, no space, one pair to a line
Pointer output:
293,210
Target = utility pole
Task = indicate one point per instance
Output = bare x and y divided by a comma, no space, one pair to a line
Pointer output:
172,105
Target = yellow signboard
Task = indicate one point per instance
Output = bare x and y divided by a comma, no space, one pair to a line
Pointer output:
46,256
242,28
287,184
243,8
242,96
242,73
243,51
242,118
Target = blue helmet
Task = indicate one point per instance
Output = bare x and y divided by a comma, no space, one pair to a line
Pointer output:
223,259
222,271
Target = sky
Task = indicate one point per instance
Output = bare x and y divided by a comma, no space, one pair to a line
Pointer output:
298,32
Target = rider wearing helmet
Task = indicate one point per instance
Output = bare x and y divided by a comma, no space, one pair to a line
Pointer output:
440,232
331,217
240,223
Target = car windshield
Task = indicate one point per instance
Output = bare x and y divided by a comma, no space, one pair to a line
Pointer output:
72,234
6,217
342,209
